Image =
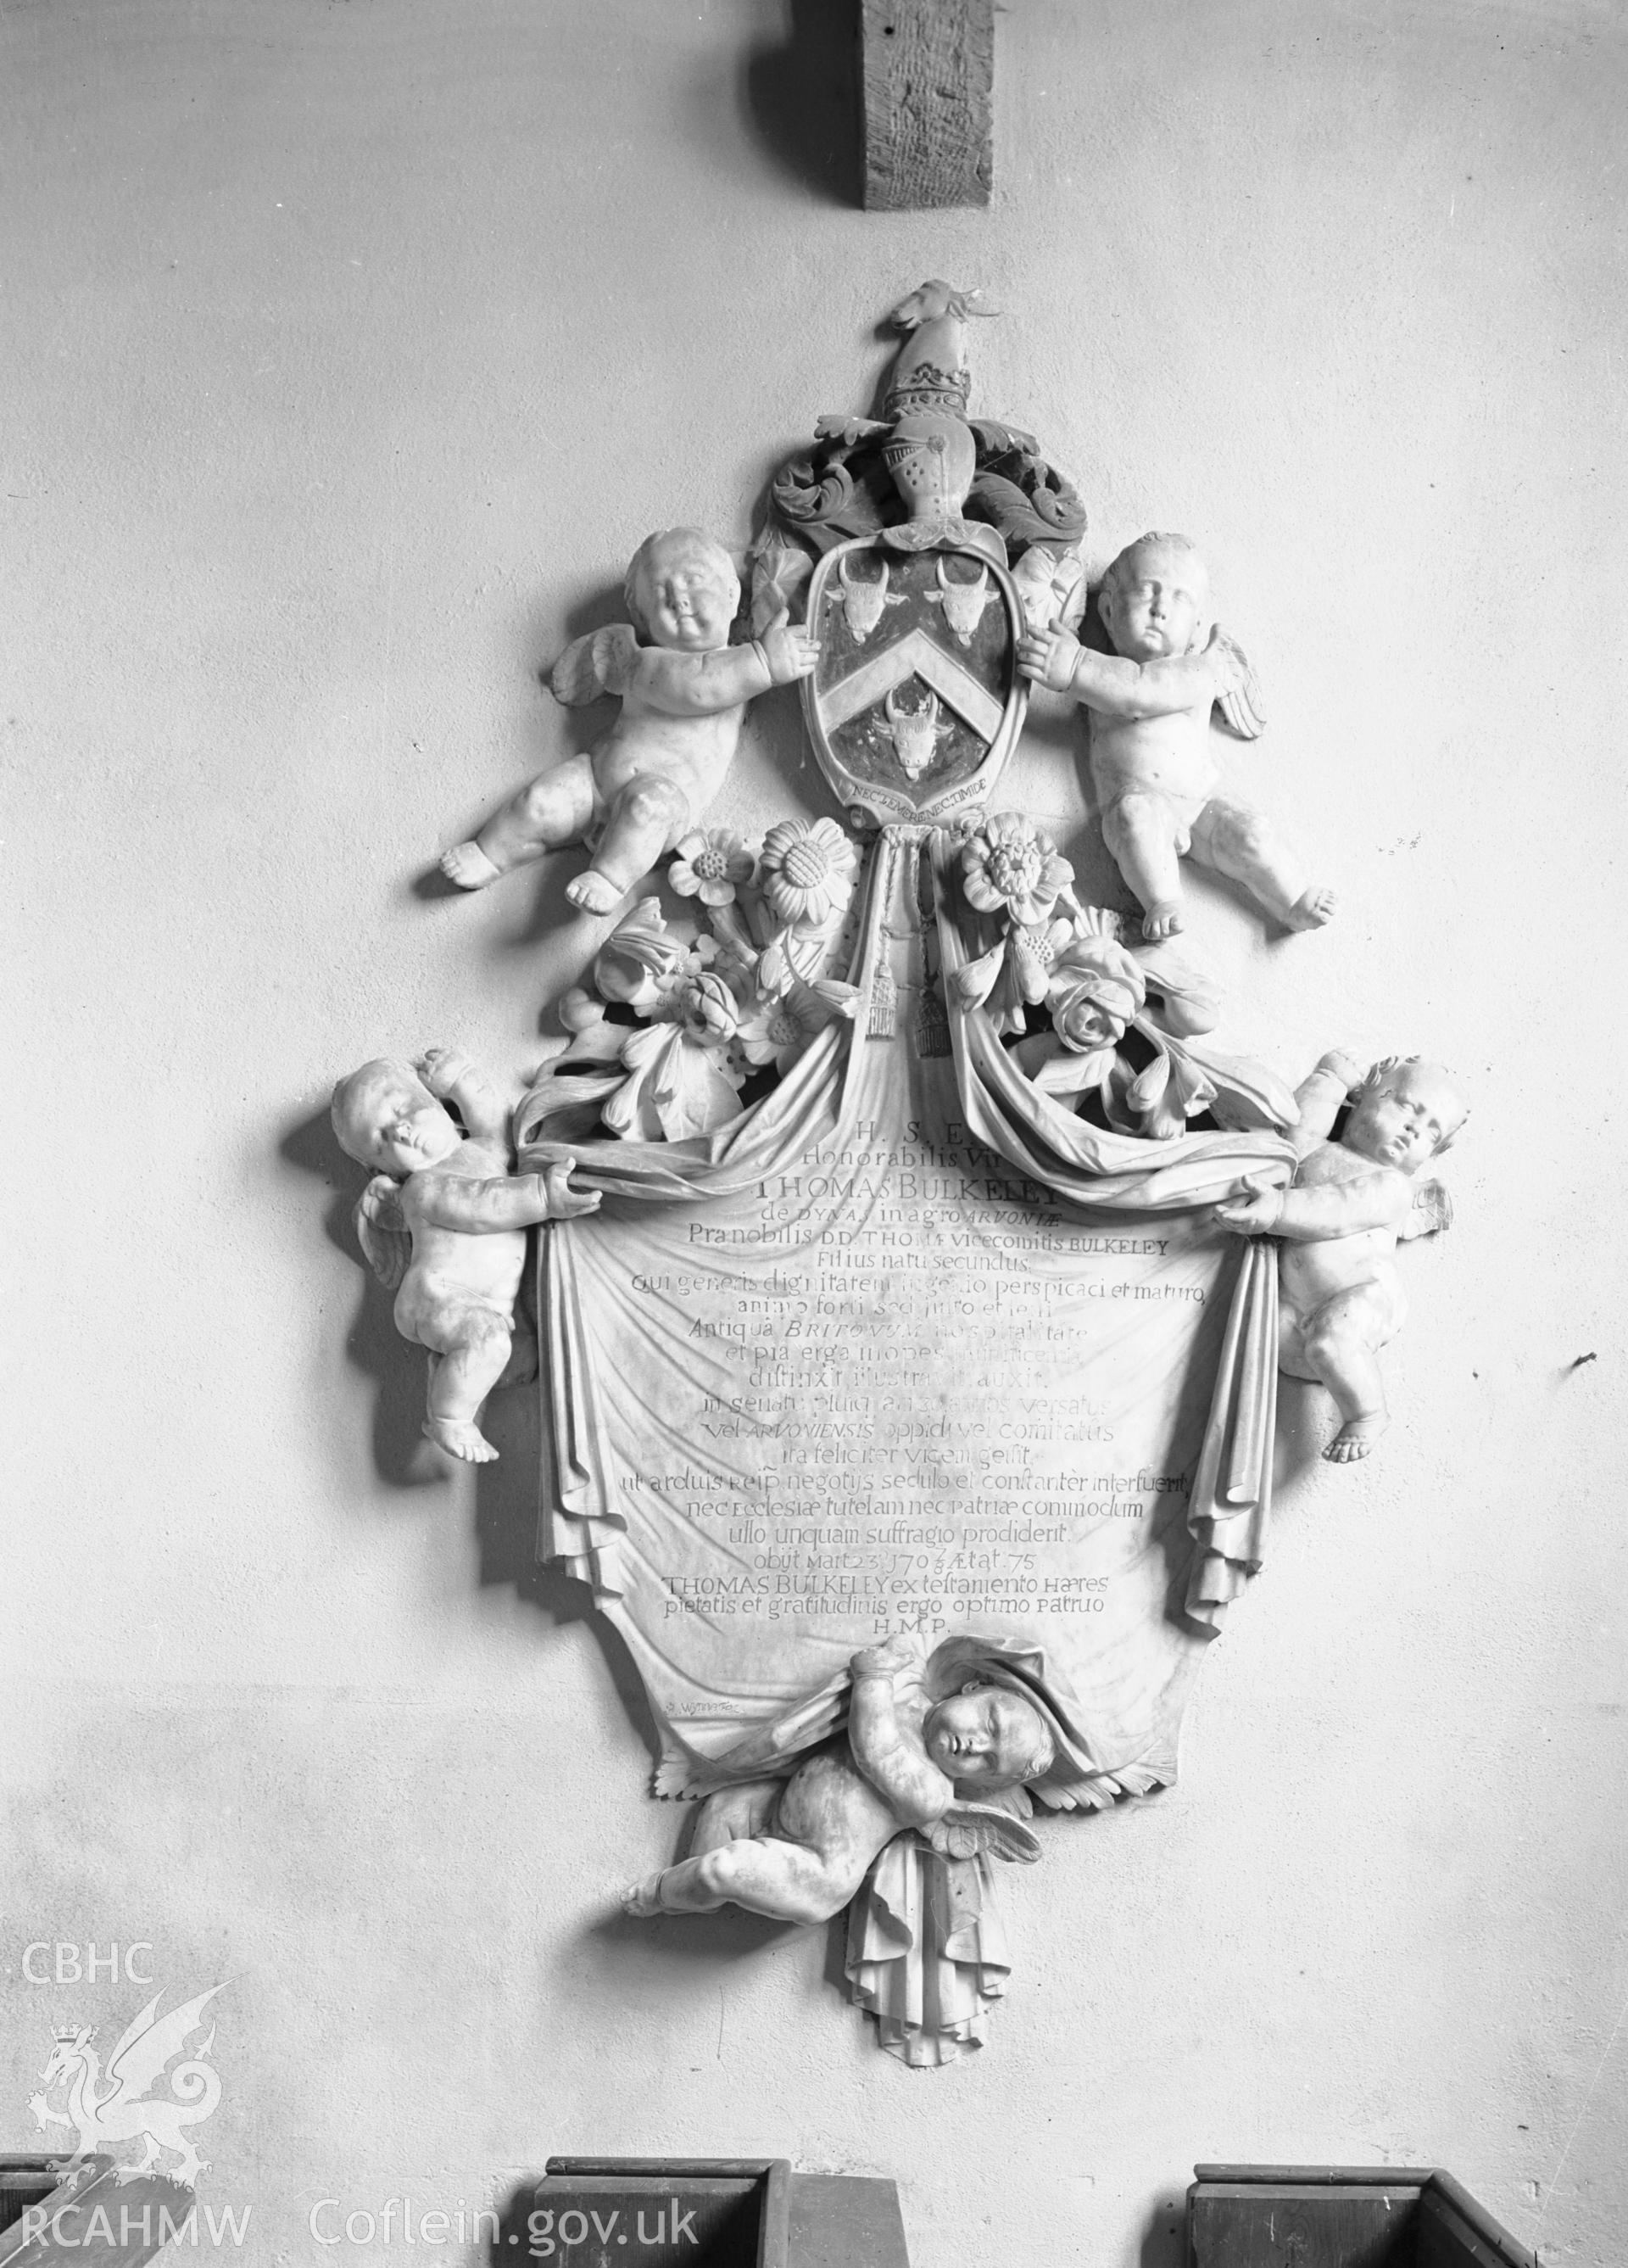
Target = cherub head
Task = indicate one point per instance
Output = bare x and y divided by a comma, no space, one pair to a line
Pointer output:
682,590
1155,598
1405,1112
386,1118
990,1734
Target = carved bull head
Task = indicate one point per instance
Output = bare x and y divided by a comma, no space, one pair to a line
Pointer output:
963,603
915,733
863,600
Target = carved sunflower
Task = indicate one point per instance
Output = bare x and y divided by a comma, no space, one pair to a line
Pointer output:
807,870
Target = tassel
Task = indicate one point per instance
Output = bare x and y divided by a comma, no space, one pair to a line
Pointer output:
883,999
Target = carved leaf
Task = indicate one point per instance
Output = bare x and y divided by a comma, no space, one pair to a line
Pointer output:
975,981
567,1109
1146,1089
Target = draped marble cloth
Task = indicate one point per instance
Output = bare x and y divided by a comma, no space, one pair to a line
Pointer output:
663,1478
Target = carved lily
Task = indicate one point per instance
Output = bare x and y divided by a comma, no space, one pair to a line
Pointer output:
1011,867
711,866
675,1088
638,961
1033,951
779,1030
807,870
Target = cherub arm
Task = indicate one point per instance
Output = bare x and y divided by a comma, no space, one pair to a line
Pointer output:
1320,1095
1114,686
509,1201
1380,1199
453,1077
887,1750
700,684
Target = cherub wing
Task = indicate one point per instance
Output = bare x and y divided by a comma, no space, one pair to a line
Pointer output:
601,662
1243,710
381,1232
1432,1211
966,1829
152,2042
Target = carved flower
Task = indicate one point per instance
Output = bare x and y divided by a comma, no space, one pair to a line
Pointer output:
1009,866
638,961
1033,951
711,866
703,1006
1096,986
676,1087
779,1030
808,869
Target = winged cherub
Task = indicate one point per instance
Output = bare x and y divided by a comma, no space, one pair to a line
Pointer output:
684,694
442,1222
1156,780
798,1849
1341,1219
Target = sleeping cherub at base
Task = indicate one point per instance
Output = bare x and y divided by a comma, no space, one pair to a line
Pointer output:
946,1745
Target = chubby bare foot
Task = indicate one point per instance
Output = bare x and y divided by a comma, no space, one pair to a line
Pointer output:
1355,1437
643,1898
1163,918
467,864
1311,909
591,893
459,1439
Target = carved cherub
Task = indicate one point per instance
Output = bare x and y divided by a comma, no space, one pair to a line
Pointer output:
684,694
1341,1219
798,1848
1156,780
442,1222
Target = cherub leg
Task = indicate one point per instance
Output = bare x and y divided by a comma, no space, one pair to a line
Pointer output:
1145,837
733,1813
646,815
1235,840
1340,1342
555,808
468,1354
786,1880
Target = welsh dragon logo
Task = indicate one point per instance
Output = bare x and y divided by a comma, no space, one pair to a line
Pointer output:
114,2106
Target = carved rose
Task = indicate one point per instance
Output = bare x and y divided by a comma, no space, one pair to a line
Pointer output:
1097,985
1009,866
807,870
711,866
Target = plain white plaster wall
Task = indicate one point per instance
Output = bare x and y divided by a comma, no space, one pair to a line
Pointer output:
349,348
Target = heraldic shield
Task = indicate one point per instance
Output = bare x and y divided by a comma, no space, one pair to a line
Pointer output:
916,702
